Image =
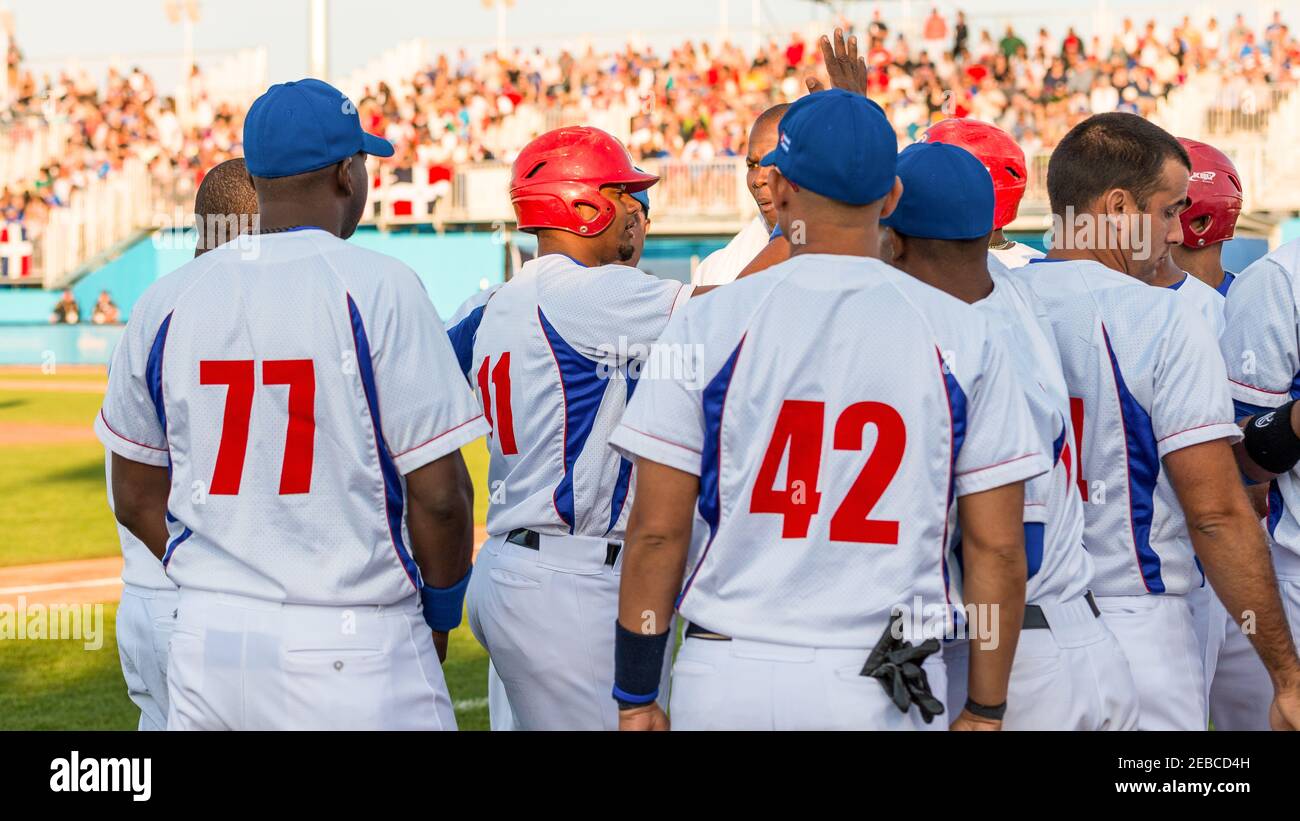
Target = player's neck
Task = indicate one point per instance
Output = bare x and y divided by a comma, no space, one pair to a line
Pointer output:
998,241
853,241
277,216
970,282
1206,264
579,249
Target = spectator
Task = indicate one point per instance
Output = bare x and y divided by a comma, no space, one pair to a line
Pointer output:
935,33
1011,44
961,33
65,311
106,311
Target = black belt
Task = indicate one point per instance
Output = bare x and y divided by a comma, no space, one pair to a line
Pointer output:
1036,620
532,540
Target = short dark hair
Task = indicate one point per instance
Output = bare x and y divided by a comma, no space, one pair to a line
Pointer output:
226,191
1106,151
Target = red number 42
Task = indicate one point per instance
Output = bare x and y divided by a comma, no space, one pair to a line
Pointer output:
799,431
299,441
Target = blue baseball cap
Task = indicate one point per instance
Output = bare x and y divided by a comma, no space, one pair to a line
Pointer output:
304,126
837,144
642,197
947,194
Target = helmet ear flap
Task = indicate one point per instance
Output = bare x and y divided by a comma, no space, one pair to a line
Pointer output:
593,199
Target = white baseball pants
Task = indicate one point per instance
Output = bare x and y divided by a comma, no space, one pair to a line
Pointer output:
144,627
1158,637
238,663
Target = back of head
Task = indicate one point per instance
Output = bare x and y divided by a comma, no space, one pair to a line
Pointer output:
1002,157
225,205
1107,152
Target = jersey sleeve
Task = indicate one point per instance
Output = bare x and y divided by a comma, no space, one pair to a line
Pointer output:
426,409
1190,404
615,312
131,422
664,420
1259,342
998,443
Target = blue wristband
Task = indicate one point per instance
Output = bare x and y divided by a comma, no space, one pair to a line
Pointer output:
444,606
638,664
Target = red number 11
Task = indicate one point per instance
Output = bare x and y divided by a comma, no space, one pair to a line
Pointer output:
299,442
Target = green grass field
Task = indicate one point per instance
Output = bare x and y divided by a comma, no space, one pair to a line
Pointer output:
54,510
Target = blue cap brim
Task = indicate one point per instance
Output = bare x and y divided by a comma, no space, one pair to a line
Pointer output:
769,158
376,146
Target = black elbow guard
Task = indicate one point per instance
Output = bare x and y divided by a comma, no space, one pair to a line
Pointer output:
1271,442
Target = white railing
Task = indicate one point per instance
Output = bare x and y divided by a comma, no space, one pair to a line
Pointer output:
29,144
98,217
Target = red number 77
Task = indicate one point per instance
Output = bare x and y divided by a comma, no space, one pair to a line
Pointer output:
299,443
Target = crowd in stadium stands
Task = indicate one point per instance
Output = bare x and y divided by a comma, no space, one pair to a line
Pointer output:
694,102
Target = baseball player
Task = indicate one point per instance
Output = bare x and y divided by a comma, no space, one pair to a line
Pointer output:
826,475
557,353
1152,418
1069,671
1005,161
463,330
1263,357
725,264
321,549
1215,197
146,613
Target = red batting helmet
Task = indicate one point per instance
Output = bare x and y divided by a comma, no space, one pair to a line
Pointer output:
1215,191
565,168
1001,155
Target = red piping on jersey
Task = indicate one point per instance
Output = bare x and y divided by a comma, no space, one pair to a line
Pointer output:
661,439
1198,427
675,298
998,464
436,438
1253,388
125,438
564,447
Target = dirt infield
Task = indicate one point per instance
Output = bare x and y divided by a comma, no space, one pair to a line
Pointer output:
85,581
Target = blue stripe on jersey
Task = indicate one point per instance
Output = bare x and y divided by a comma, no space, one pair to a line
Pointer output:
1059,445
1034,532
1245,409
714,400
1228,277
583,389
1143,469
1276,507
624,468
175,543
1179,283
394,493
957,419
153,374
462,338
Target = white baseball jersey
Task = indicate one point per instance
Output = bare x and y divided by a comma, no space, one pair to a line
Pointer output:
1060,569
829,458
1016,256
726,263
462,328
1261,345
289,393
140,568
1208,302
1145,379
555,359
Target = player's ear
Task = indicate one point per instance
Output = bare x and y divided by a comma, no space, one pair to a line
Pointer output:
344,175
891,199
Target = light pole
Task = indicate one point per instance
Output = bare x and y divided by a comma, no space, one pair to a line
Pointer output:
501,6
185,12
318,40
